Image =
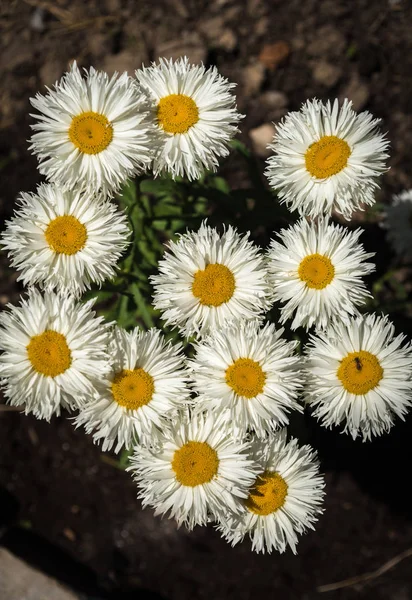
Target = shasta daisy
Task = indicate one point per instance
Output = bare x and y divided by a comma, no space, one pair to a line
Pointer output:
93,131
316,270
195,114
146,384
398,222
53,353
198,472
249,375
206,279
285,499
359,376
327,157
65,239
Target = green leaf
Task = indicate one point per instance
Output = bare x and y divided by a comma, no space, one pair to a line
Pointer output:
352,51
159,187
128,194
219,183
167,207
240,147
143,308
124,458
122,314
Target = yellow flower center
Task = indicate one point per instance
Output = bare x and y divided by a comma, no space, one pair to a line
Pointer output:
133,389
195,463
90,132
246,377
327,157
214,285
177,113
360,372
317,271
268,494
66,235
49,353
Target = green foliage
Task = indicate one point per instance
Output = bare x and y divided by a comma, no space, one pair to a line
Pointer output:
158,210
121,462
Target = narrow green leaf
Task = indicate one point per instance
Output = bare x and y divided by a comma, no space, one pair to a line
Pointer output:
143,308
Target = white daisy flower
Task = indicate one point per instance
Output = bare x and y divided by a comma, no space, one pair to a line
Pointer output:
248,374
198,472
147,382
92,132
53,353
65,239
398,221
315,270
327,158
359,376
195,114
284,501
207,279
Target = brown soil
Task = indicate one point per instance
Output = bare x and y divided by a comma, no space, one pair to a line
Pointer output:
65,507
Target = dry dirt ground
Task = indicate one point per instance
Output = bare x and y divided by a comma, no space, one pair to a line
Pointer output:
65,507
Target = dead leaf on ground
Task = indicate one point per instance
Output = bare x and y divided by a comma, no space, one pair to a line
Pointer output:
69,534
272,55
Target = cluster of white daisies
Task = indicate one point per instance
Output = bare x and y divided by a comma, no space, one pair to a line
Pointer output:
207,428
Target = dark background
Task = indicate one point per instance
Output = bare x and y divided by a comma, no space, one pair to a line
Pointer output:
64,505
